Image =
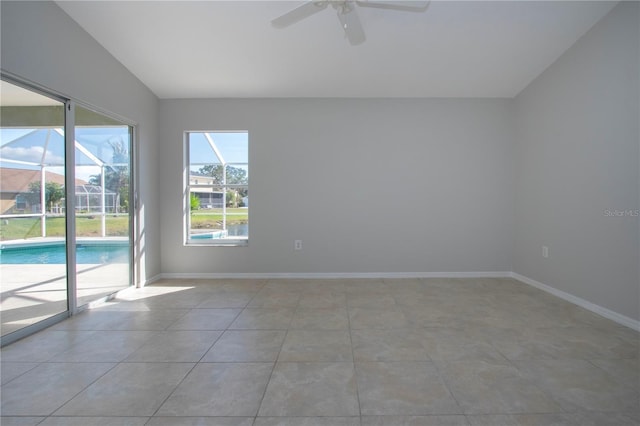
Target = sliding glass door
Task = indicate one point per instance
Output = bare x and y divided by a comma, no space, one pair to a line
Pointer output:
66,216
102,201
32,228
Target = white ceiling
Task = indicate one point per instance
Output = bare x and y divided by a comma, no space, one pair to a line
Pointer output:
213,49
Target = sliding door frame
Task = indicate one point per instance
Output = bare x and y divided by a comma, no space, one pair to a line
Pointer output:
70,202
70,213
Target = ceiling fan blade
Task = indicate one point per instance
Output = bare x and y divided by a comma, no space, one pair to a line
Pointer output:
407,5
299,13
352,26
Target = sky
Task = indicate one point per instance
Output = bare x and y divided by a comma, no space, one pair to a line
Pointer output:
234,147
28,145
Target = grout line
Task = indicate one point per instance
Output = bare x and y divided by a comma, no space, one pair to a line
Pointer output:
275,363
353,358
439,372
116,364
194,364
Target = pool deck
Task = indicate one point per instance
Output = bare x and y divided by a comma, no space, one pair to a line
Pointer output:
31,293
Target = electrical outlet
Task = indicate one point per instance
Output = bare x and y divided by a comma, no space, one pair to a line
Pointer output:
297,245
545,252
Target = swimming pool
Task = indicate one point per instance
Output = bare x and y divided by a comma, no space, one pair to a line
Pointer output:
86,253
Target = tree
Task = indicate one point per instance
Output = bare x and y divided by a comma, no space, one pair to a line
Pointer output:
194,201
116,175
235,176
53,194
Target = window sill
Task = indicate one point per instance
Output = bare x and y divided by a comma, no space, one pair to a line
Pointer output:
218,243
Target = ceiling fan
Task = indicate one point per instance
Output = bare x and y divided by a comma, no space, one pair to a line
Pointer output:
346,10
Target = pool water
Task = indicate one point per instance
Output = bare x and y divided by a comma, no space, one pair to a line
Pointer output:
55,254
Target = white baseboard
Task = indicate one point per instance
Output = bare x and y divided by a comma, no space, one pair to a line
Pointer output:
335,275
150,280
607,313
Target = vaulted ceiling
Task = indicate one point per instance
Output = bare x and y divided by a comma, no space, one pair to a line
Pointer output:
229,49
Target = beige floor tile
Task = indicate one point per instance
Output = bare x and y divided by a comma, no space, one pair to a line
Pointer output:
153,320
94,320
42,346
263,319
371,301
403,388
388,345
285,285
95,421
175,346
246,346
226,300
404,284
11,370
135,389
122,320
366,286
320,286
200,421
588,318
634,415
20,421
311,389
555,419
307,421
323,299
426,351
579,385
47,387
244,285
561,343
490,387
275,299
481,312
624,371
587,343
219,389
383,319
438,315
545,316
105,346
626,334
412,299
206,319
528,344
184,299
316,345
450,420
450,344
606,418
320,319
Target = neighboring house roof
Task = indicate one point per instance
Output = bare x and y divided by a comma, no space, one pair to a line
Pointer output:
18,180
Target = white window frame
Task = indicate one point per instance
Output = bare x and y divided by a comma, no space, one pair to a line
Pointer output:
225,242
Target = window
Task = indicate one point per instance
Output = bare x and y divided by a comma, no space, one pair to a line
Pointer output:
217,187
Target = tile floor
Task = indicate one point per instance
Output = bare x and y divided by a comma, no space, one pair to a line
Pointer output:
447,352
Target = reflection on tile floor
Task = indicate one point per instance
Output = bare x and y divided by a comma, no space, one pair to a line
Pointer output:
34,292
327,353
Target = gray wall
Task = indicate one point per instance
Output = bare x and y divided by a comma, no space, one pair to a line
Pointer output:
577,157
368,185
42,44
